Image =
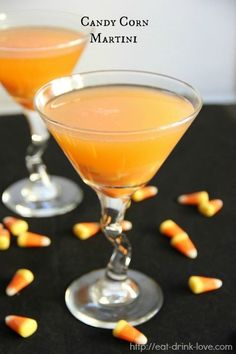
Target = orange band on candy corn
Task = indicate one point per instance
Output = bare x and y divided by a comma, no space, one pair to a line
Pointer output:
193,198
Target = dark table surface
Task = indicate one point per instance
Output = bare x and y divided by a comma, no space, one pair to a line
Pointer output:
204,160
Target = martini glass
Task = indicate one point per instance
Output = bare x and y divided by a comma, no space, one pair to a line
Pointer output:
36,47
116,128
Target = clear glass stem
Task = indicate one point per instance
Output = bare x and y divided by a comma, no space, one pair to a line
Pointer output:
40,186
115,288
113,211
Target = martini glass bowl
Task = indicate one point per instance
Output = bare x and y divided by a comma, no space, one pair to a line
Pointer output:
37,46
116,128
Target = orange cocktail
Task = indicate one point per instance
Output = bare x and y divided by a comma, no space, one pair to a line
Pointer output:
36,55
37,46
130,143
117,128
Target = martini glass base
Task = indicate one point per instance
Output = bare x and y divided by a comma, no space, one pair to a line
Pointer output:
68,197
81,303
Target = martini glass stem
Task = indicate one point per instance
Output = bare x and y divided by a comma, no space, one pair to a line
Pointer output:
40,186
115,287
113,211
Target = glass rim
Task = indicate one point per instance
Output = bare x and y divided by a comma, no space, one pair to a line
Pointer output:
84,34
105,132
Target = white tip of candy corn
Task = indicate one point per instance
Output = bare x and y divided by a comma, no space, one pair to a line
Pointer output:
192,254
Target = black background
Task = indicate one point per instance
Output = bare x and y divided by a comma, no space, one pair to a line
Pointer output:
204,160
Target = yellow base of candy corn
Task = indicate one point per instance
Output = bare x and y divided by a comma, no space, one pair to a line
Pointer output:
4,243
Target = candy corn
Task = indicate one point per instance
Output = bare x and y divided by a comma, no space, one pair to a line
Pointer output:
125,331
21,279
184,245
144,193
15,226
126,225
4,238
199,284
30,239
210,208
84,230
193,198
24,326
170,229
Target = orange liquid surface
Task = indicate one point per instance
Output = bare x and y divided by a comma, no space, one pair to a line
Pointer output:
32,56
116,143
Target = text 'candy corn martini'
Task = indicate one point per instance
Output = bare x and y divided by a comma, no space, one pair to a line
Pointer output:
33,55
116,136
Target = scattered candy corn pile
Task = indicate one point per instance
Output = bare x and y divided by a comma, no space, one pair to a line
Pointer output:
24,326
179,239
19,228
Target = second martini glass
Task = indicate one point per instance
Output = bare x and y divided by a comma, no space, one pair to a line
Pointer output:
117,128
36,47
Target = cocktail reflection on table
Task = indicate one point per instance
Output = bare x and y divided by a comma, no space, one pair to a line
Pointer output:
117,128
35,47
